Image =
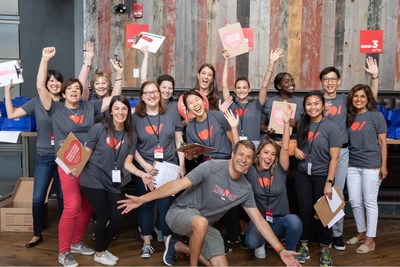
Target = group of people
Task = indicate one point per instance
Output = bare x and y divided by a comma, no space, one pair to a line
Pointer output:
339,138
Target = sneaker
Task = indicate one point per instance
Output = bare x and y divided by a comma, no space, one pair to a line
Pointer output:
82,249
170,252
67,260
105,259
147,251
160,236
338,243
228,246
260,252
304,254
325,259
112,256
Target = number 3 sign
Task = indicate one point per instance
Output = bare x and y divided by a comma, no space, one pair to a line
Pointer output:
371,41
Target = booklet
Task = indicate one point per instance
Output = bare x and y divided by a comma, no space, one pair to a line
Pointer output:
10,70
324,211
275,118
152,41
233,40
72,155
166,172
195,149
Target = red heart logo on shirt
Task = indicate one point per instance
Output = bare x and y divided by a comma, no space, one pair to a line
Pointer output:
73,154
111,142
204,134
78,119
150,129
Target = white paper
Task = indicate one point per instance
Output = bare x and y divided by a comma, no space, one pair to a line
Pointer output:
152,41
9,136
335,202
337,217
166,172
10,70
62,165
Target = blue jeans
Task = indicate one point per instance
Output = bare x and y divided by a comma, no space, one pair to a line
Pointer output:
288,227
45,170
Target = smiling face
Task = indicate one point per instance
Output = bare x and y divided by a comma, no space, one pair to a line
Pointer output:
241,160
267,156
101,87
330,82
167,89
205,78
53,85
314,107
242,90
119,113
287,85
195,105
151,96
360,101
72,93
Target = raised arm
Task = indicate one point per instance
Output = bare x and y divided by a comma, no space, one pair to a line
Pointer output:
372,68
233,121
273,57
145,62
44,95
88,53
284,155
225,88
12,113
117,88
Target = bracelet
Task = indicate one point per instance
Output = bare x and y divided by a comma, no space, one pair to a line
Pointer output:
374,78
120,79
279,249
89,66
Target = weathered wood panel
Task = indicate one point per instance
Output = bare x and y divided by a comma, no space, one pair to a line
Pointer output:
314,34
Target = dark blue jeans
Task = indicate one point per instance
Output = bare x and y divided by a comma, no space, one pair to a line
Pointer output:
288,227
45,170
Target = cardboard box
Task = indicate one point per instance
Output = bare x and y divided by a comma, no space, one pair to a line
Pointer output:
16,214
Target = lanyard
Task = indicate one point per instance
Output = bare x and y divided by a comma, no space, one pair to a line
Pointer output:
267,194
242,116
208,129
119,149
312,141
156,133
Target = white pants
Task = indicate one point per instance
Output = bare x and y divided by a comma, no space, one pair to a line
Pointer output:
363,187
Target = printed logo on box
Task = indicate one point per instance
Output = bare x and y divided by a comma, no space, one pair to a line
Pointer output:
371,41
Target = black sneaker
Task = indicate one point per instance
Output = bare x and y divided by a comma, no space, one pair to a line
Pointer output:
338,243
228,246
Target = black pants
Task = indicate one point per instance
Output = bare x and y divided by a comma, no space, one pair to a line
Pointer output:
108,217
309,189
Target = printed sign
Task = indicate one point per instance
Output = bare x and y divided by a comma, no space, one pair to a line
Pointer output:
249,37
275,118
132,31
371,41
233,39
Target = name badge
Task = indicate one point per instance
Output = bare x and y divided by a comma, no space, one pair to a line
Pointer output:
309,166
242,137
268,216
116,176
52,140
159,152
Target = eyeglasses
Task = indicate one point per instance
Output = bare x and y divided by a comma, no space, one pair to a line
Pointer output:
332,80
149,93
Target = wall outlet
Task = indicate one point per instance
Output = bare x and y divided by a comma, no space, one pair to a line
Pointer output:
135,73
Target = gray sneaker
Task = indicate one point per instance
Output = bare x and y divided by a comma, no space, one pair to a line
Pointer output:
82,249
147,251
67,260
304,254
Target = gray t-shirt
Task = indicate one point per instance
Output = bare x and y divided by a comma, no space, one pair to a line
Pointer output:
326,137
249,118
154,130
98,171
214,192
211,132
338,113
44,144
79,121
92,96
269,190
364,149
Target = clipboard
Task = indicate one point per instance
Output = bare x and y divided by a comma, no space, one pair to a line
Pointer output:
324,212
233,40
72,154
152,41
275,118
195,149
166,172
10,70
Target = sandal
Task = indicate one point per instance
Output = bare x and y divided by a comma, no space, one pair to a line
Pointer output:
364,249
354,240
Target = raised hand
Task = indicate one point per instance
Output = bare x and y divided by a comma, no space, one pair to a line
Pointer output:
117,64
372,66
275,55
144,50
231,118
225,54
9,86
223,107
287,114
88,49
48,52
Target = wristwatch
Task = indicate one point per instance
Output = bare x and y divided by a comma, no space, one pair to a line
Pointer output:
330,181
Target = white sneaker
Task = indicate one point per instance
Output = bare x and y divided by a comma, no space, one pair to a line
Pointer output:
112,256
67,260
105,259
82,249
260,252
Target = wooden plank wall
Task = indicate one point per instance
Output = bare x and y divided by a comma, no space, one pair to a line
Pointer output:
314,33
